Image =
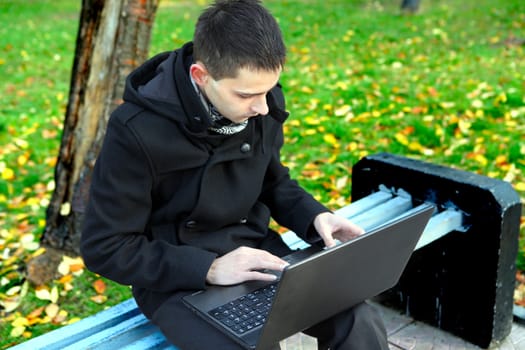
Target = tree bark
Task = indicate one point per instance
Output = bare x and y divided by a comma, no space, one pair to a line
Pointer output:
113,38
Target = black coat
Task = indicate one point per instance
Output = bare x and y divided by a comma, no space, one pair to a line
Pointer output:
168,196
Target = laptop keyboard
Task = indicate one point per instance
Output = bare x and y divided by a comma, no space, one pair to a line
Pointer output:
247,312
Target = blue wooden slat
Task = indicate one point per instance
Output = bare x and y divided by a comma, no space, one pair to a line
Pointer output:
361,205
439,225
62,337
383,212
154,341
118,336
293,241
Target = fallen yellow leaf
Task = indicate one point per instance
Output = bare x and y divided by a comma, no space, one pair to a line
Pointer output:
20,321
73,320
61,317
520,186
22,159
21,143
52,310
402,139
43,293
331,139
99,299
17,331
8,174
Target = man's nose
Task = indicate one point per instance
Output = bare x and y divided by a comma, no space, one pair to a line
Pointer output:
260,106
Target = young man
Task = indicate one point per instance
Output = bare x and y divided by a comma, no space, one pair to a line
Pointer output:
190,173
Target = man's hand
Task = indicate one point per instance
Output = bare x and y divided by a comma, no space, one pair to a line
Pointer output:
244,264
331,227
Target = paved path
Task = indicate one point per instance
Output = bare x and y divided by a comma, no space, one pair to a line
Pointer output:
406,334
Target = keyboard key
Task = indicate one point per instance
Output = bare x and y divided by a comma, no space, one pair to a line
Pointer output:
246,312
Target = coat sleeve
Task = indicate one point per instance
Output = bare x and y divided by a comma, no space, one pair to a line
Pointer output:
114,243
291,206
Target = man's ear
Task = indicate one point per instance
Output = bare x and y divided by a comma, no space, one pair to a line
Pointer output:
199,73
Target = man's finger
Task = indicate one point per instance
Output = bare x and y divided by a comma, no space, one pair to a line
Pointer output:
329,242
260,276
269,261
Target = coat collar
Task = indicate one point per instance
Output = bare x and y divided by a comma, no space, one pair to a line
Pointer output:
198,118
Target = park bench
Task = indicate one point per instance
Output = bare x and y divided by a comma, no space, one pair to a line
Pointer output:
385,187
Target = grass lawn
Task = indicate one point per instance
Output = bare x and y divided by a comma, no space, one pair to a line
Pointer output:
446,86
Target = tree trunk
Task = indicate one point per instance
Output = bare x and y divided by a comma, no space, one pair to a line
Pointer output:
113,38
410,6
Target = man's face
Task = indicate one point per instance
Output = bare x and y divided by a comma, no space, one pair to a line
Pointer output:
242,97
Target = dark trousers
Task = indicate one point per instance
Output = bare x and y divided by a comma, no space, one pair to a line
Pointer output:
359,328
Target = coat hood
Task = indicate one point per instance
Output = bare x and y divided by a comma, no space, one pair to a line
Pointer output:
162,85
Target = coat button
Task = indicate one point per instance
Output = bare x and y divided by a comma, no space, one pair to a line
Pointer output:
243,220
245,147
191,224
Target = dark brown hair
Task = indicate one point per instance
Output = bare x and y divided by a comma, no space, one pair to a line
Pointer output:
234,34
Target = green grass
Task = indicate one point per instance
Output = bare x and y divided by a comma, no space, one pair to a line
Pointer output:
444,86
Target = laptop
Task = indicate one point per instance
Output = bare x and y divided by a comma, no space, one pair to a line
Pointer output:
317,284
